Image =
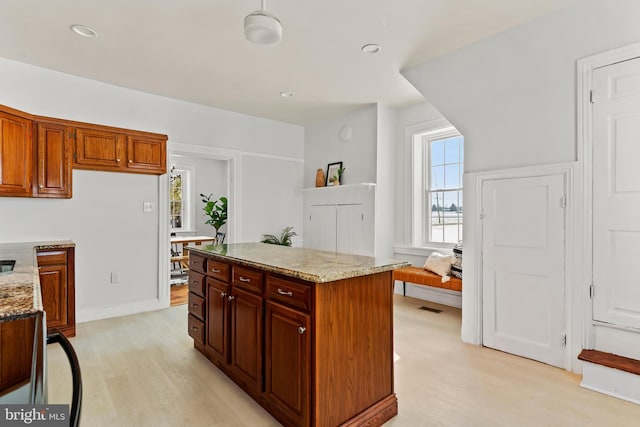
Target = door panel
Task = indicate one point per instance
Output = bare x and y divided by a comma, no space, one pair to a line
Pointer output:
523,267
246,338
352,235
616,193
217,319
320,228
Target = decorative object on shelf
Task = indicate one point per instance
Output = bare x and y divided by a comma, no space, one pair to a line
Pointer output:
320,178
283,240
216,210
345,133
334,172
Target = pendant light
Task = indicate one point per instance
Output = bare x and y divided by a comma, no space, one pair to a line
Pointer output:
261,27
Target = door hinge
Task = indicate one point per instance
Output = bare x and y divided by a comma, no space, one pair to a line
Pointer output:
563,201
564,340
592,291
591,97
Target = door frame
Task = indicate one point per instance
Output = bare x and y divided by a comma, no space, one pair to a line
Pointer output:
233,172
472,304
584,79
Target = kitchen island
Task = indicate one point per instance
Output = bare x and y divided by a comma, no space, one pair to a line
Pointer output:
307,334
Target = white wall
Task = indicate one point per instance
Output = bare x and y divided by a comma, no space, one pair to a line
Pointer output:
386,126
358,155
105,216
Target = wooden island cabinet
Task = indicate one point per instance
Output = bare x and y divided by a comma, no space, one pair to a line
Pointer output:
307,334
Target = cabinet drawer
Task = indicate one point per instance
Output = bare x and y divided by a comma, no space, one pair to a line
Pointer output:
196,305
52,257
250,280
197,263
289,292
196,329
218,270
196,283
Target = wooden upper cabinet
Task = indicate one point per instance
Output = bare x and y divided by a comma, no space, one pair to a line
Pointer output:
52,174
146,154
99,150
16,154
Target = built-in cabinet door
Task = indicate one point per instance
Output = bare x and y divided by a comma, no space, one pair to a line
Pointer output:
246,338
146,154
53,157
217,319
320,228
287,364
99,150
352,234
53,283
16,155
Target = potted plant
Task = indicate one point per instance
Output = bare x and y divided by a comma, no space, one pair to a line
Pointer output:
283,240
336,178
216,210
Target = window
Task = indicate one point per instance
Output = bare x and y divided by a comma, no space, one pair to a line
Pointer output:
438,168
179,209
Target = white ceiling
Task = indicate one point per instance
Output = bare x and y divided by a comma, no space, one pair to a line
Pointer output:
195,49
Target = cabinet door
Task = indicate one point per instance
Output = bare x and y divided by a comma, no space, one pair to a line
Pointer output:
16,158
288,348
53,156
217,319
246,338
53,283
320,228
355,230
146,155
99,150
16,350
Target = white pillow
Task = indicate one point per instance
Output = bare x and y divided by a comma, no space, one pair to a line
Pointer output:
440,264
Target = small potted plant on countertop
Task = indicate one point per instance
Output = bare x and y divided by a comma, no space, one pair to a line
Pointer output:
336,178
283,240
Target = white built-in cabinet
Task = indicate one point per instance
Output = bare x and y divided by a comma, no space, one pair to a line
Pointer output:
340,219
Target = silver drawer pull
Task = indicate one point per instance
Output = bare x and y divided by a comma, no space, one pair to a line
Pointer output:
223,294
301,330
194,305
281,292
244,279
194,283
215,270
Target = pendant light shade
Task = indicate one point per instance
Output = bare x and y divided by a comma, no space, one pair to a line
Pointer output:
261,27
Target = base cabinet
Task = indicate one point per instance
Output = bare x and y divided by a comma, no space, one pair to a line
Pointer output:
246,339
57,284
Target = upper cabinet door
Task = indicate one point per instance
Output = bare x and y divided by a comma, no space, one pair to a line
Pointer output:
53,157
146,154
16,155
99,150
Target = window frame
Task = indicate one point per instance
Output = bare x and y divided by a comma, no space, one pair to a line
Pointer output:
187,198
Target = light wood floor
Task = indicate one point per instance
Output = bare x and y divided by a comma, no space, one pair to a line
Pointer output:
142,370
179,294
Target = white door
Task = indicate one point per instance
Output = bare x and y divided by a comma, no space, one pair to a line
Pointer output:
320,228
354,235
616,193
523,281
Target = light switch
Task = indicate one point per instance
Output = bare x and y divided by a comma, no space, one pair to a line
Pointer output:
148,207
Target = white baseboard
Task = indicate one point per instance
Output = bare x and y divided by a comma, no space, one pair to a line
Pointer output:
612,382
427,293
107,311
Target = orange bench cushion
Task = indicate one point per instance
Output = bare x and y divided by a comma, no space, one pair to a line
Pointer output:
420,276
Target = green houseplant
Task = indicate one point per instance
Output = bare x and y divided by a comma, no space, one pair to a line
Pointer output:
215,210
283,240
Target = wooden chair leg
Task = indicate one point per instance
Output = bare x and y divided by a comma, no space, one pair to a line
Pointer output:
404,288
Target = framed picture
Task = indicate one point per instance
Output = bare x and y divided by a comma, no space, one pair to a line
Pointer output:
332,170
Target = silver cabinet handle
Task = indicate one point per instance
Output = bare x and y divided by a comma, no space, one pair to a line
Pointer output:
194,283
301,330
215,270
223,294
281,292
231,298
244,279
194,305
194,328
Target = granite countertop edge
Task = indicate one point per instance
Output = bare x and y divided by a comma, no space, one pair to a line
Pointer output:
20,294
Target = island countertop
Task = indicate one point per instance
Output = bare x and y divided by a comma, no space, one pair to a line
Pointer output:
20,290
302,263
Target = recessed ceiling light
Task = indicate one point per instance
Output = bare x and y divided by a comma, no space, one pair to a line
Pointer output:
84,31
371,48
287,94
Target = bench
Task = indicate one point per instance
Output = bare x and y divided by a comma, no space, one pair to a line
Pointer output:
420,276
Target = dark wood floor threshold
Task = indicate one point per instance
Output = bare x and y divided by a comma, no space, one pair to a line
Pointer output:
611,361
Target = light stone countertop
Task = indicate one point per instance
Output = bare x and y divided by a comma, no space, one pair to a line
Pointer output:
306,264
20,290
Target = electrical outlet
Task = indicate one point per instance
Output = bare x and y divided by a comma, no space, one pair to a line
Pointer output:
115,278
148,207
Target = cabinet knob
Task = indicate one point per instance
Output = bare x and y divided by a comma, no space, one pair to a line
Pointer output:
223,294
195,283
41,186
301,330
281,292
231,298
194,328
118,160
130,161
244,279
